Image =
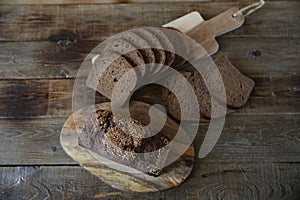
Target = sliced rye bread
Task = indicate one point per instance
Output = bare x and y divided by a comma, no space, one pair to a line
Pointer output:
194,78
126,49
104,79
179,44
143,47
166,44
140,44
160,55
130,52
238,87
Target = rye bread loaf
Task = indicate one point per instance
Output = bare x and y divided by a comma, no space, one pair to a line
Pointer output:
122,140
107,71
238,87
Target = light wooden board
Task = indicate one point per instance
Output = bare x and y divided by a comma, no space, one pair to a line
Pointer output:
187,22
206,32
117,175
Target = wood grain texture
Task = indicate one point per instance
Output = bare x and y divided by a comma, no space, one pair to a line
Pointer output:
53,98
95,22
257,156
265,138
32,2
44,60
211,181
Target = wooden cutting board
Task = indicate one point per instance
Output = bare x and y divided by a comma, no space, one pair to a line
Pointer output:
186,22
206,32
132,179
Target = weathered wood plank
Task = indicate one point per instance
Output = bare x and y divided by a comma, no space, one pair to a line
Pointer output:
244,139
53,98
99,21
208,181
33,2
39,60
42,135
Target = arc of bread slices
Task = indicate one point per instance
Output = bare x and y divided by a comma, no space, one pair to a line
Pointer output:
143,47
160,55
166,44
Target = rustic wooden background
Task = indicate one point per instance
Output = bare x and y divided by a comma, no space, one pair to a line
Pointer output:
42,46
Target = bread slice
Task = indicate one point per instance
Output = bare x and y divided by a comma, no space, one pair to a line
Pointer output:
141,45
166,44
160,55
122,140
238,87
179,44
126,49
107,71
194,78
144,48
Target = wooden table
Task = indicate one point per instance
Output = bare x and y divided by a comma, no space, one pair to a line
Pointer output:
42,47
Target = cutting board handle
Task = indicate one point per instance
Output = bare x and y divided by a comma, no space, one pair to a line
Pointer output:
217,25
226,22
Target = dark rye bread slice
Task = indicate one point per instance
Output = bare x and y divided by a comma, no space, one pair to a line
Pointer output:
160,55
141,45
179,44
107,70
126,49
121,139
166,44
238,87
194,78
